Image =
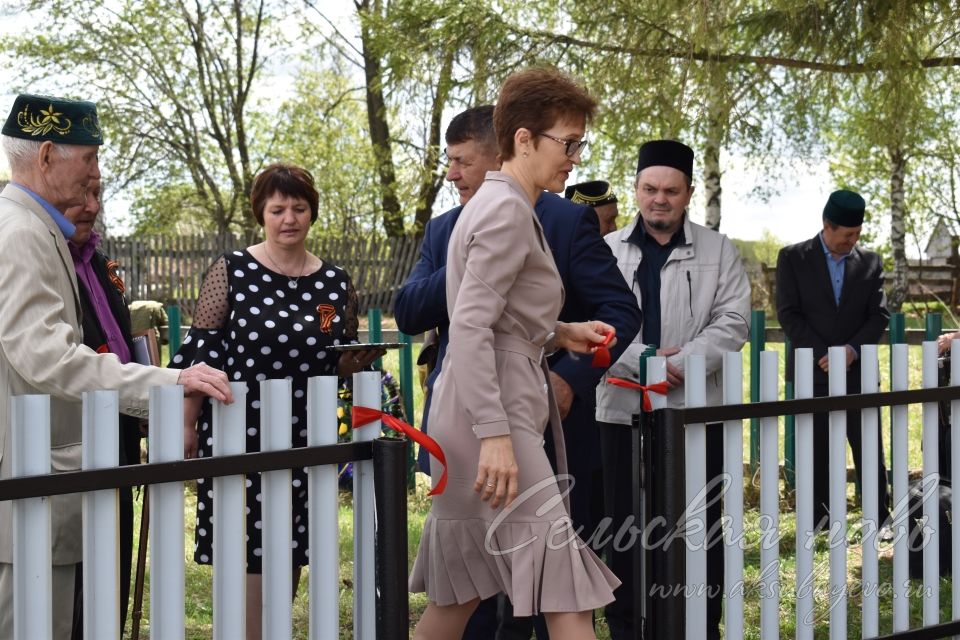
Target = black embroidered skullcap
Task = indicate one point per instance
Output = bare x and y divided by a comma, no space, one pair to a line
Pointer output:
666,153
594,193
845,208
57,119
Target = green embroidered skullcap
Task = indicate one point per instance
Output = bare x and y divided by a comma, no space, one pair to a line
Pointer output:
844,208
594,193
56,119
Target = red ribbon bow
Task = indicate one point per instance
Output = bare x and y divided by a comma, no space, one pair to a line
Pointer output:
365,415
601,357
658,387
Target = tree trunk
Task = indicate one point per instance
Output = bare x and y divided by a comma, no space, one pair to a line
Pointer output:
379,127
898,212
432,178
716,121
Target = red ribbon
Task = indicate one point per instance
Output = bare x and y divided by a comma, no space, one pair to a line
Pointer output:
658,387
365,415
601,357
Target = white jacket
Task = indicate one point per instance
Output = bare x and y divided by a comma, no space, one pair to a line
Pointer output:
704,308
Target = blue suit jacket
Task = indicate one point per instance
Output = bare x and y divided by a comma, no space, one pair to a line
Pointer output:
595,290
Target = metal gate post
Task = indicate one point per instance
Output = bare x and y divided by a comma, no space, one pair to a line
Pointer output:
664,545
390,488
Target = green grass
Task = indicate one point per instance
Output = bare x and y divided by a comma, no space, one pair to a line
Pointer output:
199,578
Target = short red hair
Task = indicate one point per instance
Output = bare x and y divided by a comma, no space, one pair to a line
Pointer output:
536,99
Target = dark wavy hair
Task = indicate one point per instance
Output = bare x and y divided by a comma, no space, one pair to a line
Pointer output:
288,180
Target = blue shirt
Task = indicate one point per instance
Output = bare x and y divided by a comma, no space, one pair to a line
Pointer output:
66,227
836,267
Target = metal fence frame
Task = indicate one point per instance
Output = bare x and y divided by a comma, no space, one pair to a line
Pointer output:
385,471
669,430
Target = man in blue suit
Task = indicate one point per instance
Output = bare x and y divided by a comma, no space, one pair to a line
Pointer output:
595,290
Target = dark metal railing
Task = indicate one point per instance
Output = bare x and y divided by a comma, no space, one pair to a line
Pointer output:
390,479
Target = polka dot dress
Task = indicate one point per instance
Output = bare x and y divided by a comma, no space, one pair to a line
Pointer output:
256,324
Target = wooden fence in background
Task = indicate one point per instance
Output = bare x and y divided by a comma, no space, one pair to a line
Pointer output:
927,283
170,268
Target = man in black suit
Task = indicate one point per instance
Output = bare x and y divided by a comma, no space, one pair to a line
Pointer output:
830,293
593,289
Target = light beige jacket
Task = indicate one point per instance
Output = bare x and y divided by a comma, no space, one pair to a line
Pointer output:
42,352
704,309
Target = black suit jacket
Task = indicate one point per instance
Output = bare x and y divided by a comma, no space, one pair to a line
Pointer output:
811,318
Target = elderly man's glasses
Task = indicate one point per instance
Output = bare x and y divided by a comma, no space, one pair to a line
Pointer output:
570,147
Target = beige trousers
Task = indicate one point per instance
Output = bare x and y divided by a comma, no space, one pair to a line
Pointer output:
64,579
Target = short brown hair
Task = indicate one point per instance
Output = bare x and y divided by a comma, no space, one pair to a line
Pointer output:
536,99
288,180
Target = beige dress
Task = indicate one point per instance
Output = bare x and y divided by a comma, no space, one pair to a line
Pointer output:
503,297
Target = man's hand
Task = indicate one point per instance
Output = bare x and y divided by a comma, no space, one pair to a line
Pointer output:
943,342
824,362
203,380
563,394
674,375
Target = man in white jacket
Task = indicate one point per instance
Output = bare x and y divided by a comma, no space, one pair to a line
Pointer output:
695,298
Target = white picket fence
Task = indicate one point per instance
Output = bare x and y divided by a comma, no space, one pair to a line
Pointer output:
32,557
769,587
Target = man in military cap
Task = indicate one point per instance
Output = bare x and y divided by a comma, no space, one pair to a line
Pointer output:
52,147
830,293
695,298
599,195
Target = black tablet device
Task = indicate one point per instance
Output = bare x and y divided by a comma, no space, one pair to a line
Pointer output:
366,346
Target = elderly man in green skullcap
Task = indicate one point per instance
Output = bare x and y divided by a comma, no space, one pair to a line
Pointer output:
52,146
830,293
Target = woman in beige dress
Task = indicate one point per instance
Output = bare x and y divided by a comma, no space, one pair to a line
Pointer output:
502,524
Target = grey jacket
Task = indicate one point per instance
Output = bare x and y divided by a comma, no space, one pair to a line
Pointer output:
707,313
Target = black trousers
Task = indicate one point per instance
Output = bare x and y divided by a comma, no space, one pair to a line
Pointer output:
821,460
615,440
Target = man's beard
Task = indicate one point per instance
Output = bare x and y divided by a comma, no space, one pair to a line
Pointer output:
659,225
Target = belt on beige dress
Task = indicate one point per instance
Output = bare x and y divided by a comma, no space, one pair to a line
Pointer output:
533,351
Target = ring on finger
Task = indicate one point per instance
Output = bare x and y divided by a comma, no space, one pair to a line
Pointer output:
490,484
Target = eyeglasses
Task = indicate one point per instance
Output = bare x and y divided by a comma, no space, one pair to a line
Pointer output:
570,147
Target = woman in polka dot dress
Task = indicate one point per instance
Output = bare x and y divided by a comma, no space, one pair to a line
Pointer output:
269,311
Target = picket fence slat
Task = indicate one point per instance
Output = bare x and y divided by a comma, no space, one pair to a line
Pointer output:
803,434
276,491
366,393
322,429
695,442
931,509
166,517
733,499
229,531
837,380
100,449
769,502
900,448
32,574
870,493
